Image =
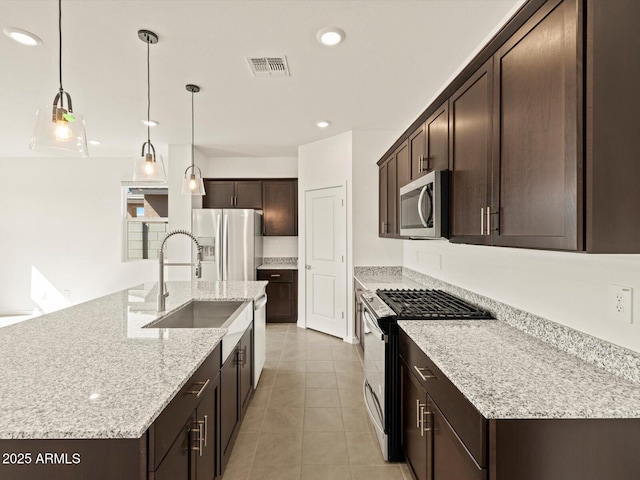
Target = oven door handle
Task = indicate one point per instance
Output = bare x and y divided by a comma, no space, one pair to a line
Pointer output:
420,212
365,385
370,323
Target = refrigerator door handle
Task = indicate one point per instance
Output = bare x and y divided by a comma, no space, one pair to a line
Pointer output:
225,246
219,246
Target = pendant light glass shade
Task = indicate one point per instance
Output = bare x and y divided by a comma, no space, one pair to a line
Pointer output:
59,130
149,166
60,136
192,184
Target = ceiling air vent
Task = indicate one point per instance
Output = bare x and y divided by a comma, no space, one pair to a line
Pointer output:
268,66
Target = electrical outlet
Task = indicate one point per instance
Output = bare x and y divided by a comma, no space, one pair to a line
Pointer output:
619,304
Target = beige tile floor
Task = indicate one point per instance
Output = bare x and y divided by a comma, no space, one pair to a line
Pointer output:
307,420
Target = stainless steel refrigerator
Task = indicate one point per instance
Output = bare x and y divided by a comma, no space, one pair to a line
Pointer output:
231,242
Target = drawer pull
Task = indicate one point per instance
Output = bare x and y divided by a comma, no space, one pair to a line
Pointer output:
275,275
203,385
422,370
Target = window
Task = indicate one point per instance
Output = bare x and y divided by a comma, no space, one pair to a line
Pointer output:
145,220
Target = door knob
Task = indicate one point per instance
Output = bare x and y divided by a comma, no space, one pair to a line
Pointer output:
308,267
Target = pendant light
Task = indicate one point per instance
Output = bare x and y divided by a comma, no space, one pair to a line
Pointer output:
148,166
58,130
192,184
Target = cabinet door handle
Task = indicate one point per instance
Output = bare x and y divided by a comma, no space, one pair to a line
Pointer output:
429,373
488,220
481,220
206,427
418,405
424,412
419,163
203,385
198,430
244,356
238,357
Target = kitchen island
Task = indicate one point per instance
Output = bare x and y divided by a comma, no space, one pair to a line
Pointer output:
93,372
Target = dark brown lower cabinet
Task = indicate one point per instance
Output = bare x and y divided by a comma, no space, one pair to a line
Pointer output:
451,460
236,387
414,440
282,295
445,438
183,441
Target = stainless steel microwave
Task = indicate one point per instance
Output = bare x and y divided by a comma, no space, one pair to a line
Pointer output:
424,208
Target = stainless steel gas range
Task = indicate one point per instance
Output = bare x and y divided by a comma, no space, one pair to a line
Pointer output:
381,388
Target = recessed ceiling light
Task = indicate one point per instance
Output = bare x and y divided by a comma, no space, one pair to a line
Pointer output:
22,36
322,124
94,396
330,36
95,142
150,123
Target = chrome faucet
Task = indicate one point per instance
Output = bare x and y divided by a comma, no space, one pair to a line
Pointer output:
162,288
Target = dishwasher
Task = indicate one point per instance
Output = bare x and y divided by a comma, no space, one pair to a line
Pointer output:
259,336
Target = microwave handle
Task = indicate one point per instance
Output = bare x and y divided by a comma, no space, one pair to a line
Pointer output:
420,213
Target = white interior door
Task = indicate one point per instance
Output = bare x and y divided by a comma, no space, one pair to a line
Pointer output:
325,249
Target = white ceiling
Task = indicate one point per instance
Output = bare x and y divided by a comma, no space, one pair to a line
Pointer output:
397,55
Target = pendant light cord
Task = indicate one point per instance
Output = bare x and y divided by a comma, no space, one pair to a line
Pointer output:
192,135
60,50
148,94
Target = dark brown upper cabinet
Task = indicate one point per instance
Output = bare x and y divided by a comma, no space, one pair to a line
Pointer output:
537,169
417,151
249,194
429,144
556,93
470,156
233,194
219,193
280,207
388,179
437,133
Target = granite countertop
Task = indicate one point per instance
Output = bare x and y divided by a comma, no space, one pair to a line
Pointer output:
279,263
507,374
277,266
385,278
92,371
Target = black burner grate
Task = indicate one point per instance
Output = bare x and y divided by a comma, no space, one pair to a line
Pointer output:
430,305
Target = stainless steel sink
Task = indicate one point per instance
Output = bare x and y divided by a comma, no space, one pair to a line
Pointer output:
201,315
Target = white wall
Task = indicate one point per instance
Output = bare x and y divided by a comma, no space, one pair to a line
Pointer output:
250,167
567,288
62,217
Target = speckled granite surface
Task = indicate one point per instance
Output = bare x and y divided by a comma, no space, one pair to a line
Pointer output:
618,360
279,263
92,371
281,260
507,374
